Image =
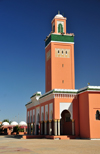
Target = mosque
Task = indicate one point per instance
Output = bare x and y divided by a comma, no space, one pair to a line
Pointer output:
63,112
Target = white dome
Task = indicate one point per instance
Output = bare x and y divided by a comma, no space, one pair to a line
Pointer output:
59,16
23,123
5,123
14,123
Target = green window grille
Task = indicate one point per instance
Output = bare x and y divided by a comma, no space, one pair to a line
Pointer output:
60,28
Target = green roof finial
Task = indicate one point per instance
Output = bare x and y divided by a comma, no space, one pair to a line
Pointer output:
88,83
58,12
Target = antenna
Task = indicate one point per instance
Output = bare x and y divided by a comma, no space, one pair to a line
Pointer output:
63,14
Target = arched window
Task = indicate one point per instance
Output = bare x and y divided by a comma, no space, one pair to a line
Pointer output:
97,115
60,28
53,28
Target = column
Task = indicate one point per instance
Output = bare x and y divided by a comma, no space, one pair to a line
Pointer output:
55,127
50,129
45,130
33,129
30,129
24,129
73,131
41,127
59,127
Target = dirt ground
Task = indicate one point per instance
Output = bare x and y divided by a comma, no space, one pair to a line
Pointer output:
11,144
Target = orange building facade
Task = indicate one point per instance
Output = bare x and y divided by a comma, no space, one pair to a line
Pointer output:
63,111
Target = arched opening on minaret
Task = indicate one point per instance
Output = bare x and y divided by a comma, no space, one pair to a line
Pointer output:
60,28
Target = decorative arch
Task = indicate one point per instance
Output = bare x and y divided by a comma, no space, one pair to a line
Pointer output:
66,106
66,123
66,116
60,28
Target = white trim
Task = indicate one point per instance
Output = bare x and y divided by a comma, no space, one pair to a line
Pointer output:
89,91
95,139
66,90
64,42
60,42
95,87
91,87
61,18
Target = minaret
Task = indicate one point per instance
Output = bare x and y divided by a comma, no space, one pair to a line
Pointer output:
59,56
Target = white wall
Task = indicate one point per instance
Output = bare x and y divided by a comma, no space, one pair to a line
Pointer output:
66,106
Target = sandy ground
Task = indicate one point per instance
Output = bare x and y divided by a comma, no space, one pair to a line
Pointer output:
10,145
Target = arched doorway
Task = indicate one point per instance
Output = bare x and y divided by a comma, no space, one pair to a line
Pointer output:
66,123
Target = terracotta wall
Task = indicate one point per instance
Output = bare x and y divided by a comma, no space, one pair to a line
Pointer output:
47,70
76,115
94,105
59,73
84,115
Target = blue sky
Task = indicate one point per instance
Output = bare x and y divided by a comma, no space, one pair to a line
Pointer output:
24,24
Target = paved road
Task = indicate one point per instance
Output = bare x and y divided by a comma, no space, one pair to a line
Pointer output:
11,145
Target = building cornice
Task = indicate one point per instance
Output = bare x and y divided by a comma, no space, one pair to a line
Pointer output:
59,93
89,88
67,38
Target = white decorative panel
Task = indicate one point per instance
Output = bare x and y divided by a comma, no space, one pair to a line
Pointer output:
46,112
66,106
50,111
37,114
48,55
33,115
30,115
42,113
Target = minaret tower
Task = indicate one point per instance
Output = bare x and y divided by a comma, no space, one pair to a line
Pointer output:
59,53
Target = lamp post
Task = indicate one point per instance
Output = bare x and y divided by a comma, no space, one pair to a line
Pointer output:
0,110
18,118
